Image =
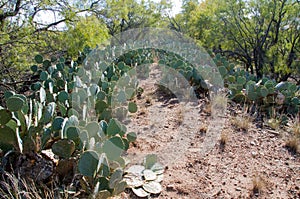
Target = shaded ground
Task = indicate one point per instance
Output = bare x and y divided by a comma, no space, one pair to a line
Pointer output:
176,132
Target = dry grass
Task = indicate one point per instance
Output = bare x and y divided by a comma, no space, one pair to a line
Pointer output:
273,123
241,122
223,140
203,129
12,187
218,105
293,140
148,101
258,185
296,128
179,116
293,144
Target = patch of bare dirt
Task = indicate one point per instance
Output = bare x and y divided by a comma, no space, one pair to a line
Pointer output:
251,164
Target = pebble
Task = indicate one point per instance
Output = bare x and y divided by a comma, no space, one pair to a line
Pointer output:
254,154
170,187
238,189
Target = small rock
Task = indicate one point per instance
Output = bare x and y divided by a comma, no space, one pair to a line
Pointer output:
254,154
170,187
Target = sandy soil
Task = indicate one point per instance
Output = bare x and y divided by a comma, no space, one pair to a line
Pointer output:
177,132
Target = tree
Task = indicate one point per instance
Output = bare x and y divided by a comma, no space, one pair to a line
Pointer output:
261,34
86,31
25,31
71,26
121,15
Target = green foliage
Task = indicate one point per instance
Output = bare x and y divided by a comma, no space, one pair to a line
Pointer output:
262,35
86,31
63,148
51,112
79,115
265,93
88,164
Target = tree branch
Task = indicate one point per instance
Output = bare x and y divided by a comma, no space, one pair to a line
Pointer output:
4,15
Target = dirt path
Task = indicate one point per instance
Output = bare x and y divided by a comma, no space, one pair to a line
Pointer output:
176,132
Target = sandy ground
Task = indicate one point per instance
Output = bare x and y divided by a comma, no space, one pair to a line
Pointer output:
187,142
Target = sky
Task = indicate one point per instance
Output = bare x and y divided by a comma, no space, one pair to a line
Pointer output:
176,6
48,17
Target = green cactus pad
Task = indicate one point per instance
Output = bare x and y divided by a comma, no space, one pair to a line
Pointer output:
115,178
131,137
223,71
63,148
263,91
292,87
93,89
101,95
241,80
92,128
72,111
36,86
129,93
34,68
114,127
132,107
8,94
113,148
7,136
150,160
269,84
48,113
88,163
44,76
73,132
39,59
5,116
295,101
15,103
46,63
281,86
239,97
120,187
121,97
57,123
100,106
62,96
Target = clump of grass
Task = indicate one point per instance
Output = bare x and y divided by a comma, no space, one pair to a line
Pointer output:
258,184
293,144
296,129
148,101
241,122
223,140
218,104
13,187
273,123
179,116
203,129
